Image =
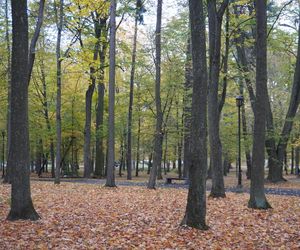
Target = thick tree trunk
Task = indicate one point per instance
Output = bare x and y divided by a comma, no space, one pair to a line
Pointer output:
270,143
158,137
257,192
196,202
99,165
215,23
58,93
110,179
18,157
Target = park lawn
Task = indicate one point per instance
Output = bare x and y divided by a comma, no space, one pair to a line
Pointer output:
84,216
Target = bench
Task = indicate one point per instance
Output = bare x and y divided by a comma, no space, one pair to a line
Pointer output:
169,179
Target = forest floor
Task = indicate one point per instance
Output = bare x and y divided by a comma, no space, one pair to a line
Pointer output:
84,216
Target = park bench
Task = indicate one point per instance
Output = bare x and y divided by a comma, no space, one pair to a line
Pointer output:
170,179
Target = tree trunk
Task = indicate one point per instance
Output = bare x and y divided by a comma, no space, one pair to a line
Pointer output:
138,148
46,115
110,179
292,160
35,37
58,93
158,138
196,202
289,119
188,85
257,192
19,156
129,122
99,167
165,152
8,49
215,23
149,164
88,168
297,160
87,130
245,134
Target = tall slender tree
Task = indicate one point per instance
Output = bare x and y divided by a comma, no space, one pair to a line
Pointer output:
132,75
19,157
158,137
110,179
59,11
257,192
8,51
196,202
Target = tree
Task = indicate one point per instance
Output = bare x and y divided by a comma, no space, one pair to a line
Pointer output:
257,193
59,22
275,172
196,201
215,24
158,137
132,74
110,179
88,167
99,164
18,157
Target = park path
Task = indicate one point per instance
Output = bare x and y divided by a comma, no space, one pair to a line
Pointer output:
276,191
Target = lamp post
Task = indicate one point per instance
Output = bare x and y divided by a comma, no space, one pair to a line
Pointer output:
239,103
3,152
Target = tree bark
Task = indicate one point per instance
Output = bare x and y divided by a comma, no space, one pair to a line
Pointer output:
35,37
99,166
257,192
129,122
59,22
297,160
46,115
158,137
88,168
8,49
188,85
110,179
215,23
196,202
19,156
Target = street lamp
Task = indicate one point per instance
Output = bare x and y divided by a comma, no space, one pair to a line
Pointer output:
3,151
239,103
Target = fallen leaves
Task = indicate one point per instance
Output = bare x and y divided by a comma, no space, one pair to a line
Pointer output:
81,216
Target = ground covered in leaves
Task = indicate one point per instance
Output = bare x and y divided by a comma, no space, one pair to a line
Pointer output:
81,216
